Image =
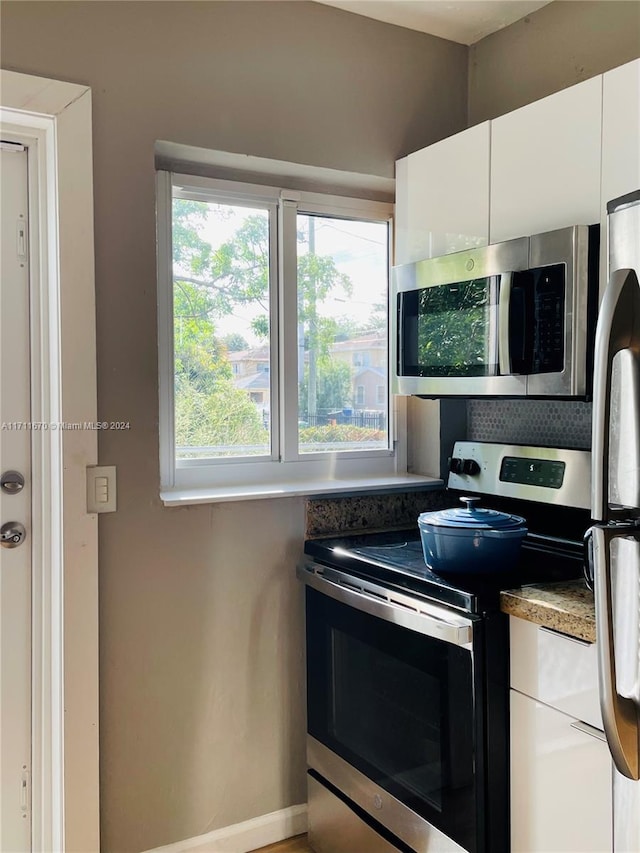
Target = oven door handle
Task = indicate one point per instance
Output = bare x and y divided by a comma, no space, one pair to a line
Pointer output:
415,615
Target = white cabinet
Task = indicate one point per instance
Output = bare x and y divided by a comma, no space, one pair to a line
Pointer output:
561,771
442,197
621,131
557,670
561,782
545,163
620,140
553,163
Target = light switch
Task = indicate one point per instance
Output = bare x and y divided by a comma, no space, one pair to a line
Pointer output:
101,488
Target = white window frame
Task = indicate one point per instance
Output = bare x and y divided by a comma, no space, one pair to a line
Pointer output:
262,476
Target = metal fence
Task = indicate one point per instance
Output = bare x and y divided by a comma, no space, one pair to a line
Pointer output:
370,420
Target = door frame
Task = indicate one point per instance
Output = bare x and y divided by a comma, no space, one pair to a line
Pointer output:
54,119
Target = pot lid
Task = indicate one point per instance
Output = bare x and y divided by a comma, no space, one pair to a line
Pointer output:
472,516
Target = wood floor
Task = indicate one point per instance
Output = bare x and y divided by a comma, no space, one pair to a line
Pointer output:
298,844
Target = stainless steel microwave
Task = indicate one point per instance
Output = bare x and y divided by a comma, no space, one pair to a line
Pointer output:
512,319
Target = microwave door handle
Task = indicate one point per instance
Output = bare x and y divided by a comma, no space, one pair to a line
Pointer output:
619,715
618,328
399,319
504,306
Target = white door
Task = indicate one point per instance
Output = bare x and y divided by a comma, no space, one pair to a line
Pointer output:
15,506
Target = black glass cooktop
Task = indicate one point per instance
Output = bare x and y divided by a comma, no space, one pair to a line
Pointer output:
396,559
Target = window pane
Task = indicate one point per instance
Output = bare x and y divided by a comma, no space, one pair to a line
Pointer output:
221,330
342,334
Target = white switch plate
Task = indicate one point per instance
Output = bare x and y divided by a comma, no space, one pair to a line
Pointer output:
101,488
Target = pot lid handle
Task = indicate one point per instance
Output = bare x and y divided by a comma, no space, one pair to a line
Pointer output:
471,503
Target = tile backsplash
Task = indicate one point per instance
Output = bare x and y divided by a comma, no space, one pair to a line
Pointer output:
561,423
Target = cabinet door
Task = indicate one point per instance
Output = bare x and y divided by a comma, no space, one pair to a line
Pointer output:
442,197
545,164
561,794
555,669
620,141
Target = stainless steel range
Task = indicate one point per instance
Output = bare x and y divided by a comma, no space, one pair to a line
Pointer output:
407,671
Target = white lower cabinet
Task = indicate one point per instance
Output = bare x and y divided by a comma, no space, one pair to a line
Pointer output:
560,782
561,771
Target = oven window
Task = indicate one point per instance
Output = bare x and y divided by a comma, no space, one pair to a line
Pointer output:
397,706
372,688
450,329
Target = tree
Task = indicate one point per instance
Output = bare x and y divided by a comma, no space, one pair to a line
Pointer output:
209,284
333,390
234,342
235,273
209,409
199,355
452,330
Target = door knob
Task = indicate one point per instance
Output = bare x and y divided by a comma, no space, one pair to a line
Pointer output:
11,482
12,534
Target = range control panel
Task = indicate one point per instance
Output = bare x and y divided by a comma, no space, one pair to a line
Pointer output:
544,474
532,472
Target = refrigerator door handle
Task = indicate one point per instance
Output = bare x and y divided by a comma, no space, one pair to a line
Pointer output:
619,715
618,329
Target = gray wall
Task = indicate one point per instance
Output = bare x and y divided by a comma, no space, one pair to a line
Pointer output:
202,698
559,45
201,629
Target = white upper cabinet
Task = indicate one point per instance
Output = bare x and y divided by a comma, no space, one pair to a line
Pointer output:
621,131
550,164
442,198
545,164
620,140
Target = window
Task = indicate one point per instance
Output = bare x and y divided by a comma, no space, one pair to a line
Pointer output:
361,359
271,305
381,395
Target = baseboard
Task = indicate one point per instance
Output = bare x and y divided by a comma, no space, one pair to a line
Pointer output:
246,836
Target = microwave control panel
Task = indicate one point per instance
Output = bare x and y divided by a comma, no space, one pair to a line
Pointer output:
536,320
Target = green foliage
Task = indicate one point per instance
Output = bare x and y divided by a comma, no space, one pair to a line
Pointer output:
452,328
339,433
222,417
209,409
234,342
333,387
200,357
209,284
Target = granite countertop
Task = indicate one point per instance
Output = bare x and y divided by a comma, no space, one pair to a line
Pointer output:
566,607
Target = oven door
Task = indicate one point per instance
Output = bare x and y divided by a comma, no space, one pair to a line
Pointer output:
391,712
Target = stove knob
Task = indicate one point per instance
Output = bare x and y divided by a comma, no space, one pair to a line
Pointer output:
455,465
471,467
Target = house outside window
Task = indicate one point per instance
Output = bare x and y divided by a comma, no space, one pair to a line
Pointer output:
361,359
271,303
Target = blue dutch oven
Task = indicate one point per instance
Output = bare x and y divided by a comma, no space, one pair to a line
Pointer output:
471,539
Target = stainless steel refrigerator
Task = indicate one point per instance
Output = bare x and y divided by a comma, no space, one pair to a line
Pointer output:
615,538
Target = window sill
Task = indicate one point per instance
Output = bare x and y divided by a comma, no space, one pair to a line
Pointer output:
306,488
